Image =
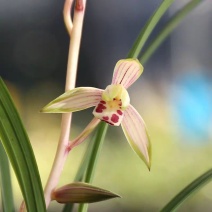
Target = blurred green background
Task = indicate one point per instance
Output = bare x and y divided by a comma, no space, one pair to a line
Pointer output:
173,95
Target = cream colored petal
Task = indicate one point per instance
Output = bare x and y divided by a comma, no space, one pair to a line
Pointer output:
84,134
74,100
136,134
126,72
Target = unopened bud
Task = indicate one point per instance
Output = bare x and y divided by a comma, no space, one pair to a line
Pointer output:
81,193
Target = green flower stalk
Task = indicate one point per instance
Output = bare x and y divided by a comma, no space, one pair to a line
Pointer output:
112,106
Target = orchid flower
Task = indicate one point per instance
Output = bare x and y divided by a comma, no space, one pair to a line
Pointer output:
112,105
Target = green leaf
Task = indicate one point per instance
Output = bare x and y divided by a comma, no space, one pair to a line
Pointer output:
167,29
188,191
101,133
5,182
148,28
18,148
81,193
102,129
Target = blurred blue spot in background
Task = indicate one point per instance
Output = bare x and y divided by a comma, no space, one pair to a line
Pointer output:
192,106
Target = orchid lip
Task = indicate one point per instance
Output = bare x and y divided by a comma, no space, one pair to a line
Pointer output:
115,99
111,115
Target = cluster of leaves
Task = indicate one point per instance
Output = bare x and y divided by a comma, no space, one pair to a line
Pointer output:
16,146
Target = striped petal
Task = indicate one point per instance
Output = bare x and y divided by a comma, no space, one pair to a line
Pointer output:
74,100
136,134
84,134
126,72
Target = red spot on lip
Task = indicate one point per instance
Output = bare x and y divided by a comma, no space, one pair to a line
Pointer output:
103,102
114,118
100,108
105,118
119,112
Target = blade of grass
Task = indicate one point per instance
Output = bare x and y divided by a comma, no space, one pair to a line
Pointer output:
101,132
17,145
82,168
95,152
168,28
5,182
148,28
188,191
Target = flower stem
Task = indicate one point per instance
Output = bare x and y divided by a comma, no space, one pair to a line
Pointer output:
61,153
100,137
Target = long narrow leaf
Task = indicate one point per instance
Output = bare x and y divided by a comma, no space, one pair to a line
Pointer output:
5,182
188,191
168,28
17,145
148,28
93,159
96,151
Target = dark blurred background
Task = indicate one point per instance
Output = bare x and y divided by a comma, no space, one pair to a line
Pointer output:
173,94
34,41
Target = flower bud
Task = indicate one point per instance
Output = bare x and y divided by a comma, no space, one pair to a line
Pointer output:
81,193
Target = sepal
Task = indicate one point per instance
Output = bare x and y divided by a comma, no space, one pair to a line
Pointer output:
126,72
74,100
136,133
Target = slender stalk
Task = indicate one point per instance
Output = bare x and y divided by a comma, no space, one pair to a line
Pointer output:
61,154
100,137
66,15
